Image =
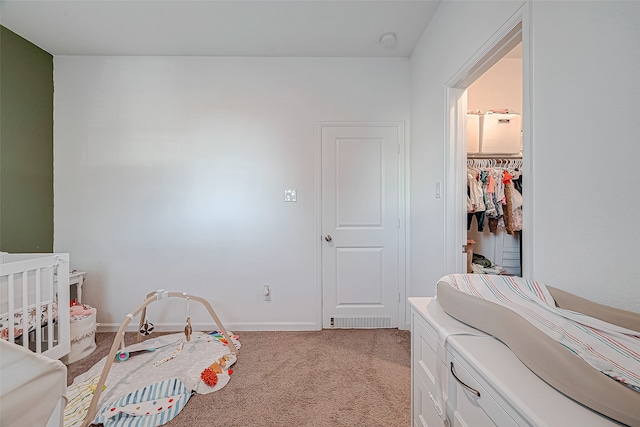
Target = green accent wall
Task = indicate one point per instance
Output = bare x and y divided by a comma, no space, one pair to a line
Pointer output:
26,145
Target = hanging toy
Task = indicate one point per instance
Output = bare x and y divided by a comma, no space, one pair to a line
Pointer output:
187,329
146,328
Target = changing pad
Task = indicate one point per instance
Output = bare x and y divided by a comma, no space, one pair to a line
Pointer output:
569,350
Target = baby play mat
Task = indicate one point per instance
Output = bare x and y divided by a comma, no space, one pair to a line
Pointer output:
155,381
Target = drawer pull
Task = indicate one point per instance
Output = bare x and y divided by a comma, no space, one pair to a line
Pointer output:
469,389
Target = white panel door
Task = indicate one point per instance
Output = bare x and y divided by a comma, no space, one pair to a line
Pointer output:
360,226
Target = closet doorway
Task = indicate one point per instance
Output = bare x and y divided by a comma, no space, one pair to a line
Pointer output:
494,168
474,89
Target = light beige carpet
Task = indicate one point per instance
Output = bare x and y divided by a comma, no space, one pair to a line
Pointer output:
345,377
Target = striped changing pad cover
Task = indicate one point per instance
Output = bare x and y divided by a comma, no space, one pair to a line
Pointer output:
611,349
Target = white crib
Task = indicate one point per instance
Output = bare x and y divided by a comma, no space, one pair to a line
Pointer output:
34,302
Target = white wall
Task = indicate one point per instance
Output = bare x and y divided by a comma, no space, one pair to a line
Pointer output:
585,92
170,173
586,129
456,32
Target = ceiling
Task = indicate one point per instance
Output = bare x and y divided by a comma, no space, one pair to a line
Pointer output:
298,28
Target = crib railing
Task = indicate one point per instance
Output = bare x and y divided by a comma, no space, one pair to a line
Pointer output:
34,302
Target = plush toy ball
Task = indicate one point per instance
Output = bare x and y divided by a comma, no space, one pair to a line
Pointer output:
147,328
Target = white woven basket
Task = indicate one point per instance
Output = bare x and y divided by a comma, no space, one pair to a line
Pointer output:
83,339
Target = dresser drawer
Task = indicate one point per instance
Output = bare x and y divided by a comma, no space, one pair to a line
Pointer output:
424,363
424,412
423,354
465,407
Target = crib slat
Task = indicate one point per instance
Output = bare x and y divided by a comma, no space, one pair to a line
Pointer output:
12,307
38,312
63,339
25,312
50,324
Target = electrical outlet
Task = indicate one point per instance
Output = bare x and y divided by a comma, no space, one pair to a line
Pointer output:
266,293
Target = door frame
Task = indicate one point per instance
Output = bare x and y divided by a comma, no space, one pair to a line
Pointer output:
403,209
516,29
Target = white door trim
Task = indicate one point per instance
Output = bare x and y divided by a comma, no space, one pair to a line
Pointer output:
403,200
455,153
528,147
515,29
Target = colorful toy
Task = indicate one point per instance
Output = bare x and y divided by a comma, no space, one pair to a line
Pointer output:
123,355
209,377
210,374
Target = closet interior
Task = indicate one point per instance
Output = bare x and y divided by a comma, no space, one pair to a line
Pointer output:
495,169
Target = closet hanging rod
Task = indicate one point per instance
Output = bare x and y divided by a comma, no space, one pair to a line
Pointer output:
512,164
495,156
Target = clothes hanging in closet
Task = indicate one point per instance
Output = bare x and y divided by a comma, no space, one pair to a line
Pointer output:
494,196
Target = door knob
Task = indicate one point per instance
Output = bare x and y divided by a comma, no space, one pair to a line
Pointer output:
328,238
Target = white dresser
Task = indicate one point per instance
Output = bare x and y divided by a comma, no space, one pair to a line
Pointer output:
493,388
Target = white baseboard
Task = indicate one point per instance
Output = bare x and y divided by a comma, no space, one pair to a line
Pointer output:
233,326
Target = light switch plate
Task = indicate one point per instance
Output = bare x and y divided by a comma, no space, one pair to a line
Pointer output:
289,195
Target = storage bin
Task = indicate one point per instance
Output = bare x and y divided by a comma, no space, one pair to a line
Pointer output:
83,339
501,134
